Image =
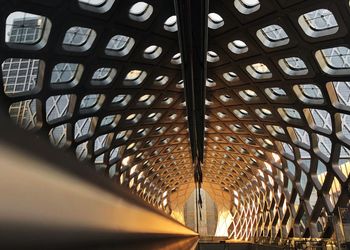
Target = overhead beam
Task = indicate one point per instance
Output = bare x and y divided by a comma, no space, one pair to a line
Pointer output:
192,22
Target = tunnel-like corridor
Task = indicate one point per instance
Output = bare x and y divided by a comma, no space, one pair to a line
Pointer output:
158,123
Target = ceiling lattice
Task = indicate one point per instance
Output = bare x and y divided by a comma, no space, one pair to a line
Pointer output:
102,79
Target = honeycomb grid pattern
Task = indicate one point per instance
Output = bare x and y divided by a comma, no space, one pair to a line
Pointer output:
95,86
277,118
105,84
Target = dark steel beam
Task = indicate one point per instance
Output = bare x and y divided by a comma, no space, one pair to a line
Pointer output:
192,22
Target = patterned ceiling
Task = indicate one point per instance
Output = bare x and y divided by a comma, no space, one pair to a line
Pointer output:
102,79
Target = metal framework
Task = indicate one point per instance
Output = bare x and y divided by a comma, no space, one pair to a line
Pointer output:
103,80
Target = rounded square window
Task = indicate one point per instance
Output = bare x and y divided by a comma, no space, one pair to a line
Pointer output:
58,136
339,93
241,113
290,115
238,47
210,83
133,118
264,113
273,36
152,52
170,24
212,56
309,93
153,117
110,121
81,151
293,66
342,166
215,21
115,155
22,76
123,135
103,76
225,98
84,128
176,59
276,93
318,23
59,108
121,100
102,143
343,132
259,71
230,76
248,95
134,78
301,138
98,6
319,120
140,11
26,114
247,6
167,100
255,129
66,75
161,80
145,100
334,61
78,39
27,31
324,147
91,103
276,131
119,45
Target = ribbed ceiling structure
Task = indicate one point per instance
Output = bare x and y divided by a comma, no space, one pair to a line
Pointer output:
102,79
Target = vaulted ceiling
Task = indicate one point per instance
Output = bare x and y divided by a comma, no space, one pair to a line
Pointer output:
102,79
